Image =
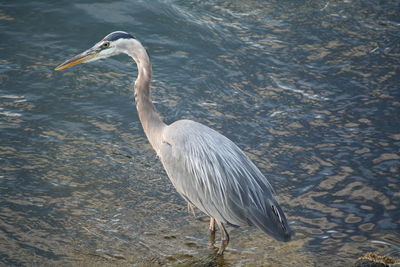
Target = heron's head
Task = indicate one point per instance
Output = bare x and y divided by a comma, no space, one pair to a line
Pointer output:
113,44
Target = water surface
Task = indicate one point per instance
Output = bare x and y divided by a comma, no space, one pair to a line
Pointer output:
309,90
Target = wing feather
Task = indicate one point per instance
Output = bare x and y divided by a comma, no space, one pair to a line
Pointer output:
215,175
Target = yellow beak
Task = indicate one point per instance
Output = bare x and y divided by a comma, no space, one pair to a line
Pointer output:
78,59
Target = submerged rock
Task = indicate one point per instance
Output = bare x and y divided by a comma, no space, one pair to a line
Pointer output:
374,260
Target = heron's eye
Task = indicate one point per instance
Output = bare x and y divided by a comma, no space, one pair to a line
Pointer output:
105,45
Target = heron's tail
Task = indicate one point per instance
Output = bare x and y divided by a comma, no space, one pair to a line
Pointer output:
272,221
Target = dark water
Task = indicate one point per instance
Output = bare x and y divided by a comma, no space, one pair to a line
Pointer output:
309,89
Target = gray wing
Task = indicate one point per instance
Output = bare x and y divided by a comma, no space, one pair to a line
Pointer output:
213,174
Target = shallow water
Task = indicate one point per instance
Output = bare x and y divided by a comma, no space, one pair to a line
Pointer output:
308,89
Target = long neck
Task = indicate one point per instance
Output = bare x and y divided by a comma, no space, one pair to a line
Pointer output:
150,119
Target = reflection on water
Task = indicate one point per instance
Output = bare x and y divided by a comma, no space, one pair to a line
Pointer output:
308,90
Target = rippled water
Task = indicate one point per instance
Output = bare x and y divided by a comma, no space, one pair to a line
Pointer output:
309,89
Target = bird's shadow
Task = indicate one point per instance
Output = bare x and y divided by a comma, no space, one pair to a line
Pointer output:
211,260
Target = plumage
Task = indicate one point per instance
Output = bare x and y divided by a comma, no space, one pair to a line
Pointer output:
206,168
215,175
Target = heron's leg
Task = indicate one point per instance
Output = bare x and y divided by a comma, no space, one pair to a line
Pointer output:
224,238
212,231
212,225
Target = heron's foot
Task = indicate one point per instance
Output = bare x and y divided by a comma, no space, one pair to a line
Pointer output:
224,238
224,244
212,238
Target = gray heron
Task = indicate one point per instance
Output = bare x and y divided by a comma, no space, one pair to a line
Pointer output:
207,169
